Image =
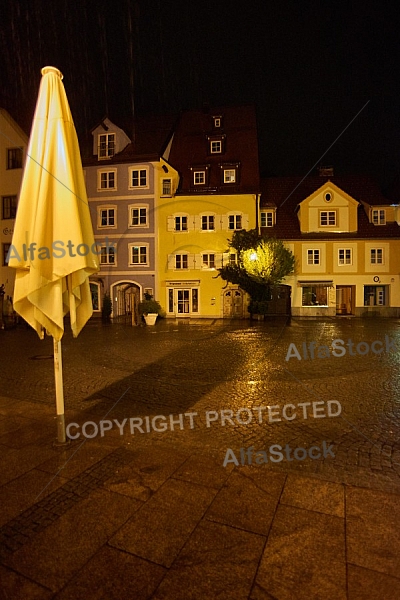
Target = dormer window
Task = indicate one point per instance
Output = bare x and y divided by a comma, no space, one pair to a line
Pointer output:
216,144
217,120
327,218
379,217
267,218
106,145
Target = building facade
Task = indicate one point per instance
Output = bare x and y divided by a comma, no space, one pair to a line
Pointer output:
122,179
345,236
213,163
13,144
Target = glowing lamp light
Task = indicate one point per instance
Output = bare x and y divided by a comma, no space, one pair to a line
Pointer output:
253,256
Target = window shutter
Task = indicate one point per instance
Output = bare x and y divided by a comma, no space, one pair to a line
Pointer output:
197,261
196,222
218,260
191,261
225,259
171,262
245,221
170,223
224,222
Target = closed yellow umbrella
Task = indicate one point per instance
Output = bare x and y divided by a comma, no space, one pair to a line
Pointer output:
53,248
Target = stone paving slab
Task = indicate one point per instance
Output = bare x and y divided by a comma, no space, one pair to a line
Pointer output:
373,543
64,547
113,575
304,557
158,531
217,562
371,585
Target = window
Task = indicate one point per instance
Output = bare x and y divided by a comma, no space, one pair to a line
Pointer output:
313,257
166,187
199,177
107,180
94,290
138,255
208,261
106,145
345,256
139,216
14,158
328,196
378,217
235,222
107,255
233,258
315,295
181,261
181,224
229,175
267,218
208,223
376,256
216,147
138,178
328,217
107,217
6,248
375,295
217,122
9,207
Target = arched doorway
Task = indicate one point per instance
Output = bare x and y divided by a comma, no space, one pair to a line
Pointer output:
233,303
126,297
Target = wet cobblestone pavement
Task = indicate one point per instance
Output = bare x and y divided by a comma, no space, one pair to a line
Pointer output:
119,373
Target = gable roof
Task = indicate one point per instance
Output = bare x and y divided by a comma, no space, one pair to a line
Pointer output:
190,148
149,135
286,193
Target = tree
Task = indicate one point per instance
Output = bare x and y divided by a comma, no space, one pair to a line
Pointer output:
262,263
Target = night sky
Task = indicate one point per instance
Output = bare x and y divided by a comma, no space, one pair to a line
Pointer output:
308,66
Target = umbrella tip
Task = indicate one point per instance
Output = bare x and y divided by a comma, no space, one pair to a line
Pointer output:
46,70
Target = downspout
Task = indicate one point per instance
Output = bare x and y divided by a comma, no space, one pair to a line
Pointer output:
258,226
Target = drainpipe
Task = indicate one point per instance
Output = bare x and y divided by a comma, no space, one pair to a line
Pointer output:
258,226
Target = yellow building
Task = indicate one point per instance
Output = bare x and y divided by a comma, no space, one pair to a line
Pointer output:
13,143
345,236
208,188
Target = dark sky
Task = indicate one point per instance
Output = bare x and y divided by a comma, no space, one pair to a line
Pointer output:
308,66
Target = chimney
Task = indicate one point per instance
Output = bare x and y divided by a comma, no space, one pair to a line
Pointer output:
325,171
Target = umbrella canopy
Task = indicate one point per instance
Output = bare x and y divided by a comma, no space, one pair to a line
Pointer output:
53,248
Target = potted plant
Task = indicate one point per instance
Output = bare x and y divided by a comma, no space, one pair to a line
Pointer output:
106,308
150,309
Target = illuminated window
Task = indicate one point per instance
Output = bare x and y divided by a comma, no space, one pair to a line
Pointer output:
229,176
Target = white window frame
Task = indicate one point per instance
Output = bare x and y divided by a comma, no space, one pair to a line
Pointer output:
229,175
112,251
101,172
183,257
180,228
107,208
268,218
379,216
138,207
208,260
203,174
217,122
163,192
140,247
109,147
235,218
216,149
377,256
139,170
315,255
208,217
328,214
347,256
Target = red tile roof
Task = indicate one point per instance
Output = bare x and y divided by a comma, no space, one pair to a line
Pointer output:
190,148
286,193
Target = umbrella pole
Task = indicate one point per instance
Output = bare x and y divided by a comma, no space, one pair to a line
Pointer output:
58,375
